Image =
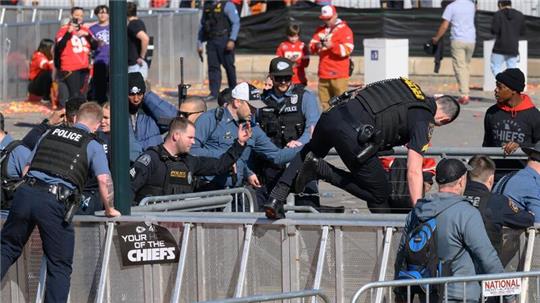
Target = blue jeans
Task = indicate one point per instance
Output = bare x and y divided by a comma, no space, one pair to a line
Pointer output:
498,61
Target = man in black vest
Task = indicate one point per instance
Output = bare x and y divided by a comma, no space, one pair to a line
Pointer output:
359,124
496,210
56,176
169,169
220,24
288,119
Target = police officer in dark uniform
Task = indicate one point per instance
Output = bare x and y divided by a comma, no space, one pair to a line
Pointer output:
496,210
220,24
169,169
56,175
359,124
288,119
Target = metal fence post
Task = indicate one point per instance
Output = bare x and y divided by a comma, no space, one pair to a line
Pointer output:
105,263
384,261
531,234
40,294
181,264
244,261
320,260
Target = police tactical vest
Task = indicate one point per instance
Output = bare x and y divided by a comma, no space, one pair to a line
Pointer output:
62,153
480,200
285,121
216,23
173,177
389,101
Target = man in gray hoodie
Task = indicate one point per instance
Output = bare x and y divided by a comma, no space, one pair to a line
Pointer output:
461,235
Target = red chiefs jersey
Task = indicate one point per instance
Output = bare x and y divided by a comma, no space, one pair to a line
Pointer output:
298,53
39,63
428,164
333,60
75,55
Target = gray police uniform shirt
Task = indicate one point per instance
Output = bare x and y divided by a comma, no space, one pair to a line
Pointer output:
97,160
16,159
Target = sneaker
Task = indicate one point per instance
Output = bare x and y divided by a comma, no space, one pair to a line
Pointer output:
210,98
464,100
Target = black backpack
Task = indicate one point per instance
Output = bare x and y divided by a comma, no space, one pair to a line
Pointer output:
399,199
8,184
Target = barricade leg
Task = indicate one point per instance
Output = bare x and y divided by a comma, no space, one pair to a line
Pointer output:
181,264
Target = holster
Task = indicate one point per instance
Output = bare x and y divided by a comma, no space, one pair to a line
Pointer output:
71,198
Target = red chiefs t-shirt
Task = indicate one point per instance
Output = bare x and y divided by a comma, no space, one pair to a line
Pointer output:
39,63
299,54
75,55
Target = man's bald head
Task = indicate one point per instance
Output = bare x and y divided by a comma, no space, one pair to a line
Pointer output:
192,108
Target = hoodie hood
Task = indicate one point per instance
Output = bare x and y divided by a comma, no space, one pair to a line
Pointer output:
434,204
510,13
525,104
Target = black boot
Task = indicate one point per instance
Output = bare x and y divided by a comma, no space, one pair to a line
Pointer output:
307,173
274,207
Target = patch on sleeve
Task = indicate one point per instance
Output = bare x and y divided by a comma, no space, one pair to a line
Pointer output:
431,127
513,206
144,159
132,172
425,147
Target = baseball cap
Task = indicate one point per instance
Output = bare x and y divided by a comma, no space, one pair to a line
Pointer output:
136,83
449,170
280,66
533,152
327,12
247,92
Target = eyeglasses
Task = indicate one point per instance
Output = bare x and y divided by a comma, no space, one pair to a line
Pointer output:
282,79
186,114
136,94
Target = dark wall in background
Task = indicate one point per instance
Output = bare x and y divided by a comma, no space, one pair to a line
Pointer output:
262,33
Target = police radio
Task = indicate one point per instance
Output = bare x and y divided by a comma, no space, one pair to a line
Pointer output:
182,87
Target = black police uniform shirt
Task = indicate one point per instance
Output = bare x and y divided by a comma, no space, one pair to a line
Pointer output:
520,124
149,165
421,125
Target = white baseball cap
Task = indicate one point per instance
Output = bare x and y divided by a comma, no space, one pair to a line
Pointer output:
327,12
247,92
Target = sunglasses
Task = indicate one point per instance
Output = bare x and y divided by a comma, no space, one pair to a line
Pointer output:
281,79
186,114
136,94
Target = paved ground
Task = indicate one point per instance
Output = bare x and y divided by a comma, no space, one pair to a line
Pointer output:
467,130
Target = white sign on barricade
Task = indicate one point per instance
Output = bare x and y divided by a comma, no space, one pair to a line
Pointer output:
501,287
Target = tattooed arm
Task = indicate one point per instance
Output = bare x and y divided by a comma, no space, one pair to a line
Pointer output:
106,193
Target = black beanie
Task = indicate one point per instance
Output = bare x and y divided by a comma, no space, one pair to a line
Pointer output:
513,78
136,83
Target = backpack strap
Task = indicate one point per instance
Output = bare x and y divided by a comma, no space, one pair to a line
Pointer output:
5,154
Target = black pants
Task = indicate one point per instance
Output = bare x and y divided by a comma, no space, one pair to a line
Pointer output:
218,55
269,178
99,86
41,85
367,180
75,82
34,206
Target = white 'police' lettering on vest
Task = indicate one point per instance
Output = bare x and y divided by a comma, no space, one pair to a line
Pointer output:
63,133
290,109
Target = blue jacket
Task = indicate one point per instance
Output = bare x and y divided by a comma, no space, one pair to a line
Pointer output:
213,138
459,226
310,110
17,159
524,189
147,132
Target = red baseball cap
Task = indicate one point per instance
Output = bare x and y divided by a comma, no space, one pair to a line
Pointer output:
327,12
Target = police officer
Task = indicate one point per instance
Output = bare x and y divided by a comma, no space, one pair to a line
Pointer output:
169,169
496,210
51,187
220,24
288,119
358,125
13,158
216,132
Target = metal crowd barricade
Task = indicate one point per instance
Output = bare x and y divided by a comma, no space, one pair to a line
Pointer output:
242,200
445,281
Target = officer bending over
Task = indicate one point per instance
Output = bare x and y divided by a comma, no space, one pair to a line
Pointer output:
13,156
169,169
51,188
496,210
360,124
